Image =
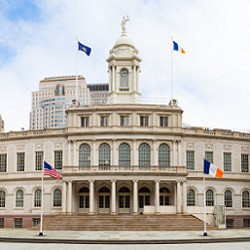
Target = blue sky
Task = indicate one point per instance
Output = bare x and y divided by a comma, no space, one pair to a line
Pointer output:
211,81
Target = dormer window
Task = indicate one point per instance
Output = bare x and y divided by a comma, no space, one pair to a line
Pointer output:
124,79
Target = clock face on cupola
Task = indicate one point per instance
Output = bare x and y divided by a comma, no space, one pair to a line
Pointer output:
124,65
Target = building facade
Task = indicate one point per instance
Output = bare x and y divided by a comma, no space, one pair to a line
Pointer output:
123,157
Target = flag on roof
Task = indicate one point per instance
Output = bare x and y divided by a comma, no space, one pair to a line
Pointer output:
48,170
84,48
178,48
210,168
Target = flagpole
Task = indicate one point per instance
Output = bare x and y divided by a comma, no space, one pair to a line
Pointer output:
171,101
41,218
77,73
204,208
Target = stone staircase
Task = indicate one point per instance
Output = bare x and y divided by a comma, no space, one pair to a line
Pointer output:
108,222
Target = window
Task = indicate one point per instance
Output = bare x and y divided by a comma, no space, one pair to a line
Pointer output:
163,121
230,223
190,160
84,121
209,156
245,199
84,156
2,198
57,199
124,78
39,160
19,198
124,120
104,155
144,155
20,161
1,222
38,198
18,222
104,121
244,163
124,155
164,155
3,162
35,221
190,197
143,121
228,198
227,162
246,222
58,159
209,197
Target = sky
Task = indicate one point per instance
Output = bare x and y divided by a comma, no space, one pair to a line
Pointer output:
211,81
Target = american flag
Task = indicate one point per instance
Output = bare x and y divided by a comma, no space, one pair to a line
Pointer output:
48,170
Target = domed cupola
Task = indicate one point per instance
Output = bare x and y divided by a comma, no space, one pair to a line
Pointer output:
124,66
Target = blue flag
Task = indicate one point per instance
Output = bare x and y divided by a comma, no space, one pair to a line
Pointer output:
84,48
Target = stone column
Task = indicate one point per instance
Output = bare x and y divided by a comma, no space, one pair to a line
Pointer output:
69,153
184,197
135,196
178,197
157,196
113,197
115,154
155,155
69,195
91,197
64,197
113,78
173,155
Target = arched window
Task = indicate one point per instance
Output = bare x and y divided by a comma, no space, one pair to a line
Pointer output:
124,155
164,155
209,197
228,198
2,198
19,198
124,78
190,197
104,190
144,155
104,155
124,190
84,155
57,199
245,199
38,198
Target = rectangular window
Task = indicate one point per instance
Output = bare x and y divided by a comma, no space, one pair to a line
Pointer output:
246,222
3,162
190,160
84,121
20,161
35,221
163,121
244,163
104,121
124,120
18,222
209,156
230,223
227,162
143,121
58,159
39,160
1,222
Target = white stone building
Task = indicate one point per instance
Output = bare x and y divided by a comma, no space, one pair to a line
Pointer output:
123,157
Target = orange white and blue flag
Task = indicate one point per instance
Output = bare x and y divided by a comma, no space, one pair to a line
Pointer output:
210,168
176,47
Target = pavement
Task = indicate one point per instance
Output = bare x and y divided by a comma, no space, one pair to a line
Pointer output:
124,237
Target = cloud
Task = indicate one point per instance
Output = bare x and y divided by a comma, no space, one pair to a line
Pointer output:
211,81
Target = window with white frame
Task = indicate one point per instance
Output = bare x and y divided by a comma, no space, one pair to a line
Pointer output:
244,163
144,155
124,78
2,198
104,120
164,155
227,161
209,197
228,198
190,197
20,161
84,155
143,121
163,121
124,120
3,162
190,159
19,198
58,159
39,160
38,198
124,155
245,199
57,198
104,155
209,156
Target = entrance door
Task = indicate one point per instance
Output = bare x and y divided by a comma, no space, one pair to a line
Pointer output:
83,206
124,200
144,198
164,197
104,200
